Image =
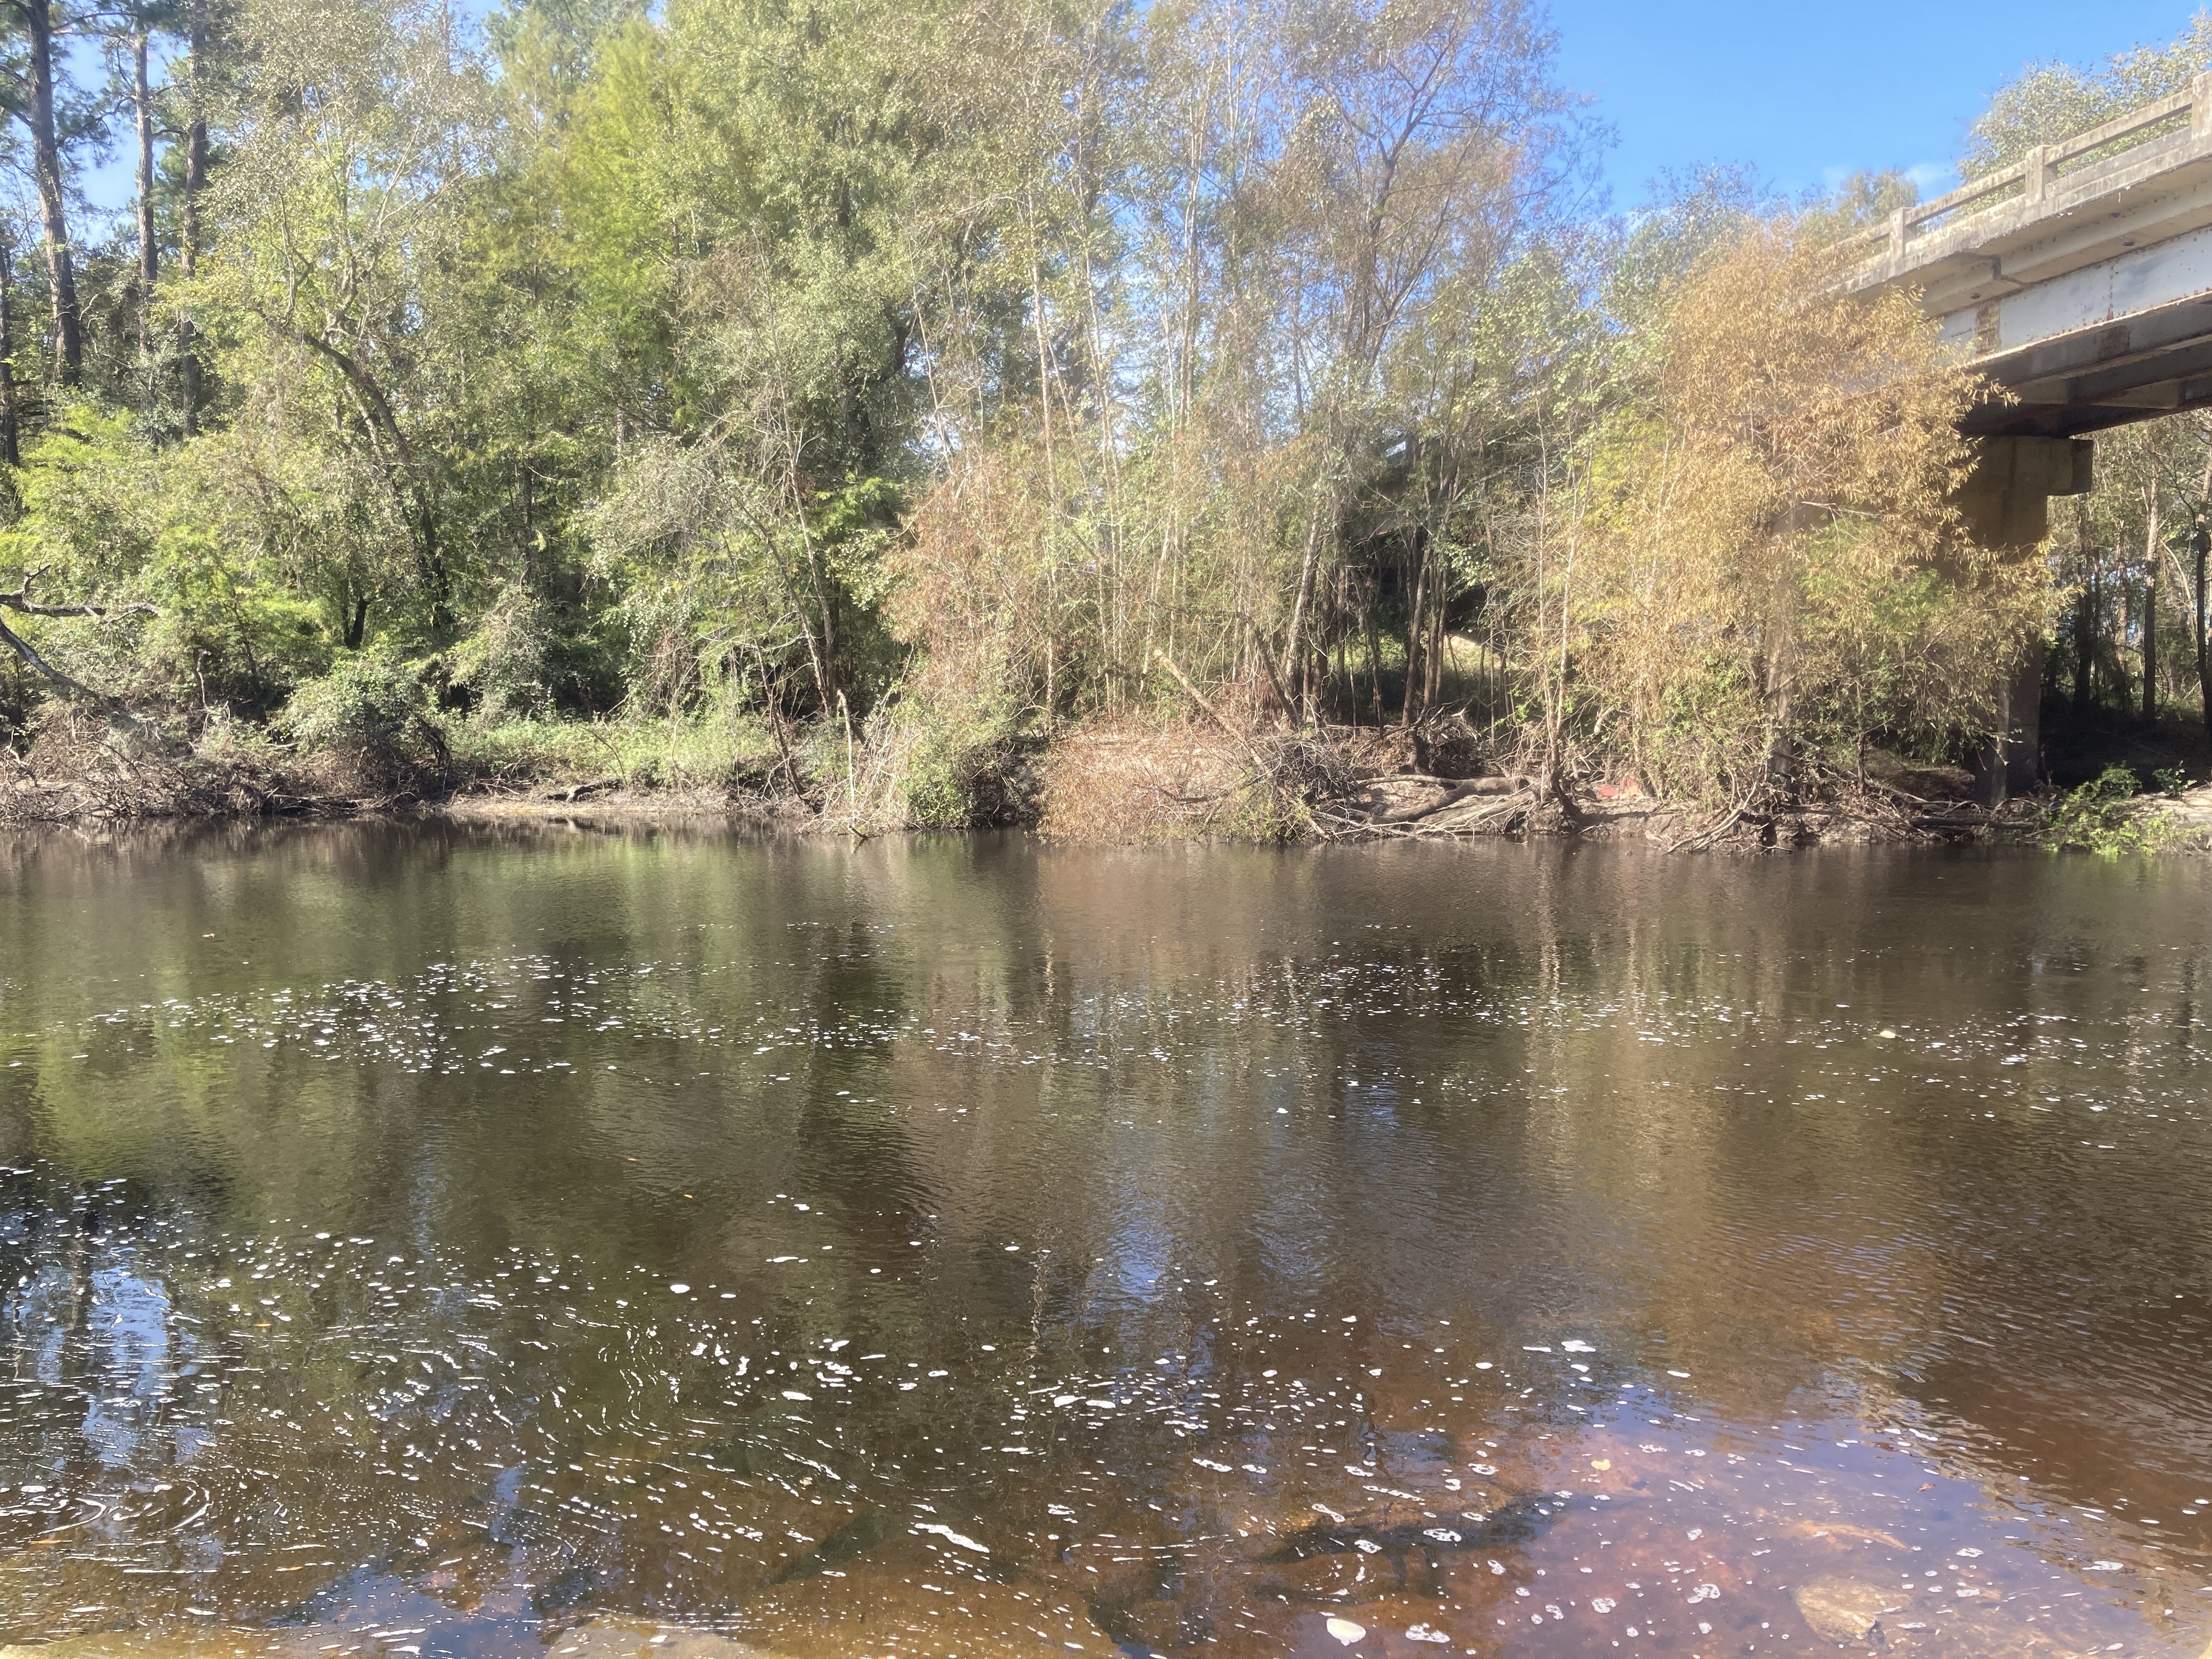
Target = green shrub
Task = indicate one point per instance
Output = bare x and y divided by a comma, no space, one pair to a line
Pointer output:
2102,816
503,665
958,751
372,712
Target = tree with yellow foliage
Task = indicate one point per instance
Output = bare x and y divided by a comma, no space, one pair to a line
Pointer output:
1769,571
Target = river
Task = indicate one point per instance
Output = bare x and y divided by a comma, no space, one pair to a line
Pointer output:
436,1240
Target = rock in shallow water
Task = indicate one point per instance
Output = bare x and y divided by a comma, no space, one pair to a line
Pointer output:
622,1638
1843,1611
614,1638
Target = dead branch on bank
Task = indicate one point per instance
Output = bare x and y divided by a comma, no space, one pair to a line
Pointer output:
1207,707
81,767
23,604
1699,841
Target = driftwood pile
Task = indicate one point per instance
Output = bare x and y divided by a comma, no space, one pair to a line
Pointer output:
1416,807
89,768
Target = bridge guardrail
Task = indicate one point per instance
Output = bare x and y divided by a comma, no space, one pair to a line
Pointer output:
2029,179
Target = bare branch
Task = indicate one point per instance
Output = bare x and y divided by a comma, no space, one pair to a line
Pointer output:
23,648
22,602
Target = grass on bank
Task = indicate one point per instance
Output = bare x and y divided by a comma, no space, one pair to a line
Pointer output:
718,754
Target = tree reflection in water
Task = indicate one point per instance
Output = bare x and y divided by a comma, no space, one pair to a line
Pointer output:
971,1248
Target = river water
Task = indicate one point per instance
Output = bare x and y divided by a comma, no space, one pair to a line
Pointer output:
437,1240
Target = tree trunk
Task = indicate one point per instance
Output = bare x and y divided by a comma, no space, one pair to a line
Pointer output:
1416,614
2203,539
1374,655
1323,509
47,168
8,450
1781,738
1439,650
2154,533
2085,643
149,255
2150,649
188,227
2124,656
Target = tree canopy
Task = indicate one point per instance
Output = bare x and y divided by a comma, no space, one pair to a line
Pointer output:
832,384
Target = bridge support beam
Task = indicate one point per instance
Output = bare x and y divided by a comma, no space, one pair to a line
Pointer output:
2010,762
2006,499
2006,505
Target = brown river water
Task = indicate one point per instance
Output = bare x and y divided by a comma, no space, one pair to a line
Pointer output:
429,1240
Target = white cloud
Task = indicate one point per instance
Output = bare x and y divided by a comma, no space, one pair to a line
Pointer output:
1933,178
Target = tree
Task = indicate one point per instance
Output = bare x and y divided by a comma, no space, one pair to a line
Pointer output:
37,101
2054,101
1774,572
338,221
195,146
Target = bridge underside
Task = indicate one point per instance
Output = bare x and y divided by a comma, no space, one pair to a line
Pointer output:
2157,363
2124,339
2006,499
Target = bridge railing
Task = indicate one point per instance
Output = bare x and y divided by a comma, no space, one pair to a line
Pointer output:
2030,179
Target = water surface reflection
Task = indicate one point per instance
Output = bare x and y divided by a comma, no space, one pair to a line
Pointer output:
439,1241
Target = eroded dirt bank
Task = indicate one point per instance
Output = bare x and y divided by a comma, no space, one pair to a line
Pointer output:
1130,784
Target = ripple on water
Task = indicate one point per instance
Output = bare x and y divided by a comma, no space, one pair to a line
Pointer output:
1400,1294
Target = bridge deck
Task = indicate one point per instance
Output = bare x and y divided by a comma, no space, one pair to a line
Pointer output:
2080,279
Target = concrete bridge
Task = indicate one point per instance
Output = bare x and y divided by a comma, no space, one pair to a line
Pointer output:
2079,280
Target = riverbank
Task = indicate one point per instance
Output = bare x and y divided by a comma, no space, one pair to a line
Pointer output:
1120,783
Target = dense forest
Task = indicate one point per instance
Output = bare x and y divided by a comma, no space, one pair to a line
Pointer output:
863,404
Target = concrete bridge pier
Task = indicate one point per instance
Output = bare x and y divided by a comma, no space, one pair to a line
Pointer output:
2006,499
2005,504
2078,281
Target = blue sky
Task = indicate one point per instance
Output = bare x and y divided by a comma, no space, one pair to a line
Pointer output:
1809,93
